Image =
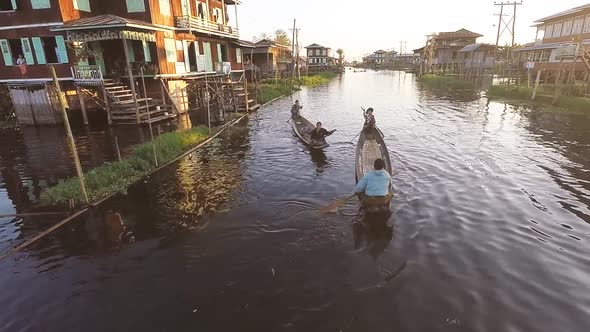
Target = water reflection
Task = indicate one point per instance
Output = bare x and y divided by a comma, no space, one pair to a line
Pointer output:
373,235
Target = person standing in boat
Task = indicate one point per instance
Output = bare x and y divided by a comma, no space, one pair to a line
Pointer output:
295,110
373,188
319,134
369,122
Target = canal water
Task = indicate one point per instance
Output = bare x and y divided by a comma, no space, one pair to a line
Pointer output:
490,230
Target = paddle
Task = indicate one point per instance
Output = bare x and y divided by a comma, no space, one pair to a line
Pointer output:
333,208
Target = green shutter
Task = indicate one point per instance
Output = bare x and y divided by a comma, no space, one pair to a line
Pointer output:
40,4
62,51
208,57
5,46
83,5
27,51
131,50
14,4
238,55
219,58
39,51
146,51
170,49
135,6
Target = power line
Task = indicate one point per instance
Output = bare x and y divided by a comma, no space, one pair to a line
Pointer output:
504,25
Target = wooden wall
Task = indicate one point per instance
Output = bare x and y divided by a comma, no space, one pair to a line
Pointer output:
36,106
27,15
157,17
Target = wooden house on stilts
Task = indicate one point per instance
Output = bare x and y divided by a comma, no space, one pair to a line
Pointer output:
138,61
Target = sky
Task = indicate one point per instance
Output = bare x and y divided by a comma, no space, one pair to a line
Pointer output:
363,26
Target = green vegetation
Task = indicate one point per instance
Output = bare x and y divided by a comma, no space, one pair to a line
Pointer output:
446,82
108,179
544,96
270,89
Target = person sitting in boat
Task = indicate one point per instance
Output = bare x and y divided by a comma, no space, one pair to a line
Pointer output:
369,122
295,110
373,188
319,134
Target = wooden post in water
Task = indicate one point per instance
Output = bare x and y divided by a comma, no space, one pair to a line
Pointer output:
107,104
131,79
62,104
82,104
147,109
117,147
558,81
537,81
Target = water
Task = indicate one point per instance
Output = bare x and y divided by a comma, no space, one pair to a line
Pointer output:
490,228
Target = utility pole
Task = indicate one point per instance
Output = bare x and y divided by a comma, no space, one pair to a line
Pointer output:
294,60
297,49
504,25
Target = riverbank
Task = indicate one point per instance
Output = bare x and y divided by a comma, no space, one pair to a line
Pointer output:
544,97
270,89
115,177
446,82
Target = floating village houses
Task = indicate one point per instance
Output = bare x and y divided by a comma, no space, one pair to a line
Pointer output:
562,43
320,58
379,59
188,51
441,52
271,58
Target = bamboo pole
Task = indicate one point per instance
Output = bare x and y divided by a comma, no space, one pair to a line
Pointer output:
82,104
537,81
62,104
117,147
208,103
147,104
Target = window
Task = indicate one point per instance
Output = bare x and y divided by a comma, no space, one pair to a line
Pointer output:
7,5
165,7
548,31
578,25
567,28
202,11
238,55
217,15
82,5
170,46
135,6
40,4
545,55
587,24
557,29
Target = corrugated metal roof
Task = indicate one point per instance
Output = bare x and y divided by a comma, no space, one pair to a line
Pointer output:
106,21
244,43
474,47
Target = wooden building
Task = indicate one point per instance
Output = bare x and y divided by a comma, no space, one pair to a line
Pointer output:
440,54
562,43
319,58
271,58
99,47
477,57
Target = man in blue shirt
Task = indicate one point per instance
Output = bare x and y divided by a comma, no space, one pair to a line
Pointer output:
373,188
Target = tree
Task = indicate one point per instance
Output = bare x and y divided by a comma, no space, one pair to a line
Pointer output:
340,53
262,36
281,37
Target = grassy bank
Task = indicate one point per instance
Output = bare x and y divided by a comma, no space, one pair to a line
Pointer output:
116,177
271,89
446,82
523,93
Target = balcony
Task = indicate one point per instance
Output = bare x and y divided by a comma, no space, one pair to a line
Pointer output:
196,24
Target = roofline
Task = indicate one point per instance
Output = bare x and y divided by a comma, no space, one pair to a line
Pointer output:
106,26
567,12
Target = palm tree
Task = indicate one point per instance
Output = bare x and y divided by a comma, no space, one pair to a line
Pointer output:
340,53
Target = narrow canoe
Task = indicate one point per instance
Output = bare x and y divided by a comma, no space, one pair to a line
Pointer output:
302,128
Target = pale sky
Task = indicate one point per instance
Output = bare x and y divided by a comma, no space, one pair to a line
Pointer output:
361,27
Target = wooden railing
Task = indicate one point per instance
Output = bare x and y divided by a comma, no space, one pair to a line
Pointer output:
202,25
87,75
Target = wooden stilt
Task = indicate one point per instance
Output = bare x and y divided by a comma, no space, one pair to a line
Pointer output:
117,147
107,104
131,79
149,117
82,104
537,81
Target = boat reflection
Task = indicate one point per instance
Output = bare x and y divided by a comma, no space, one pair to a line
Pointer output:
319,158
372,233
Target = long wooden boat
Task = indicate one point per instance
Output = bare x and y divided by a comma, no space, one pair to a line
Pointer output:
370,147
302,128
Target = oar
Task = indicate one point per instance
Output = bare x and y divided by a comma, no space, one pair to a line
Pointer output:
333,208
357,135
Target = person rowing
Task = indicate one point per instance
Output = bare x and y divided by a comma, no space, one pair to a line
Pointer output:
319,134
296,110
369,122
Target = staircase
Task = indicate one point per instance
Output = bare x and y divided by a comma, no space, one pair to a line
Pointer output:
122,106
245,100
